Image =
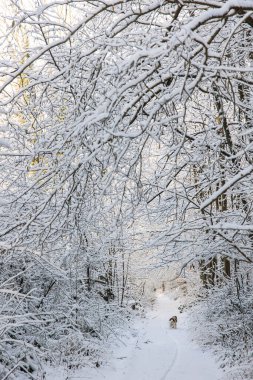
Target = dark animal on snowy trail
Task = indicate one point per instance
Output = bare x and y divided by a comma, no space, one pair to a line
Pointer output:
173,322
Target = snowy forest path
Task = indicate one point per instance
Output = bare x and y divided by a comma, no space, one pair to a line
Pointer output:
156,352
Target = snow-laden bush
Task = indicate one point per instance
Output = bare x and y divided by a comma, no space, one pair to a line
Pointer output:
50,315
223,320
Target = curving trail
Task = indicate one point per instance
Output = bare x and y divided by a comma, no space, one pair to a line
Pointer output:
166,354
155,352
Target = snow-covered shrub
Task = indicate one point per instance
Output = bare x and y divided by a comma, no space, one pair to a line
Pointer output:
48,315
223,320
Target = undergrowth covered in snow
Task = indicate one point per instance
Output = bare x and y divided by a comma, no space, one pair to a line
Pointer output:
221,319
51,318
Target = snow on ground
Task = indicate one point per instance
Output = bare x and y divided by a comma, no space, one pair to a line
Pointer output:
153,352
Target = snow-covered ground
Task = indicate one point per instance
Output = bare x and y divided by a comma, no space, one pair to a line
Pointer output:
153,352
